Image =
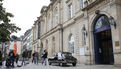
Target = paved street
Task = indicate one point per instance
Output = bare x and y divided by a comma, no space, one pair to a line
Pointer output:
40,66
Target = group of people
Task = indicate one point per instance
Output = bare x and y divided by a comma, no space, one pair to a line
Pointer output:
43,58
11,59
14,58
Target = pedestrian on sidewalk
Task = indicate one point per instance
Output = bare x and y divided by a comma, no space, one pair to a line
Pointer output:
12,58
45,56
17,58
36,57
33,57
0,58
24,57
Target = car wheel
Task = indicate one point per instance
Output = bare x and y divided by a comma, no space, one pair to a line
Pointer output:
74,64
59,64
50,63
63,64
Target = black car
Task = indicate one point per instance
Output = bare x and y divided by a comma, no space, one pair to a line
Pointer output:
63,58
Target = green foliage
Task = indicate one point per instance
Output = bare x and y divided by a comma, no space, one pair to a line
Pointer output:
6,28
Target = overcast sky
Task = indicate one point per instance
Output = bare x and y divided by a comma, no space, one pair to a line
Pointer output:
25,12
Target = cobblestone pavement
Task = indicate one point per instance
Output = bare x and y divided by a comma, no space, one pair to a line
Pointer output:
40,66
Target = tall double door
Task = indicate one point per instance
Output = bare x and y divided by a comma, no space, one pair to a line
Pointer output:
103,48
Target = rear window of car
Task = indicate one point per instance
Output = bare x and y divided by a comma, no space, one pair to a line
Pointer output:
67,54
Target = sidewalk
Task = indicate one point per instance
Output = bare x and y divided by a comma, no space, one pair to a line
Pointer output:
79,66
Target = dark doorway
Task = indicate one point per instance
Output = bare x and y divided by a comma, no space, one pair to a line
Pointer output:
103,42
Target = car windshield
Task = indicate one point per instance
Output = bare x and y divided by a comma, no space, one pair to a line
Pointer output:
67,54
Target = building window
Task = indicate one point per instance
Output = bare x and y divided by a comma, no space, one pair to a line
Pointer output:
56,17
84,37
49,22
82,3
53,44
71,44
45,25
70,10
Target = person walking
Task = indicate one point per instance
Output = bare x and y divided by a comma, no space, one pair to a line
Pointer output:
33,57
23,58
36,57
45,56
11,57
17,58
0,58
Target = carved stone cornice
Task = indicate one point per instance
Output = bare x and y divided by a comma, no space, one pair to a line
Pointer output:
57,28
91,5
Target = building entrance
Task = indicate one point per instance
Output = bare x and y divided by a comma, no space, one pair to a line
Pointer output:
103,43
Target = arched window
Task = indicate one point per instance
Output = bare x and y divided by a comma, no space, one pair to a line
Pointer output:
71,44
53,44
102,22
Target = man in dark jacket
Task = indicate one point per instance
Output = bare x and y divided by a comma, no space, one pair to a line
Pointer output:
24,57
45,56
12,57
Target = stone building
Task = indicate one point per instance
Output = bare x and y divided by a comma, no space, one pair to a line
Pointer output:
89,29
36,36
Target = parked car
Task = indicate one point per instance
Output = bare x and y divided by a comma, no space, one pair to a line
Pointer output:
62,58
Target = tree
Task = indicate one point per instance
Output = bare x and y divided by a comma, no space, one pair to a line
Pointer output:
6,28
14,38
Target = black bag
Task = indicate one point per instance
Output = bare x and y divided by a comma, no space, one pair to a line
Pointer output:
19,65
8,62
0,63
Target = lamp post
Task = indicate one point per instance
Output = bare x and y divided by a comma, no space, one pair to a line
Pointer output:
112,21
85,31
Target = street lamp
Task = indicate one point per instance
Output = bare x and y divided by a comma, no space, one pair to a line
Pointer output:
85,31
112,21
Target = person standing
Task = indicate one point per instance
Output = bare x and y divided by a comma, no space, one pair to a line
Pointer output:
0,58
12,57
45,56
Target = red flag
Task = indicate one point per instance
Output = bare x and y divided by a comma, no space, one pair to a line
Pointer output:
15,47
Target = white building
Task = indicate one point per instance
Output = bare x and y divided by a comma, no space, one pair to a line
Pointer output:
18,43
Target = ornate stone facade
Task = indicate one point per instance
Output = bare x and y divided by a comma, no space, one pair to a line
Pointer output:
67,26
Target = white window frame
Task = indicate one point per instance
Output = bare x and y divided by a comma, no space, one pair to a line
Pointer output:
70,10
49,22
71,44
82,3
56,17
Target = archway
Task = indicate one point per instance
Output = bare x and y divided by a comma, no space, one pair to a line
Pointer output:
103,41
